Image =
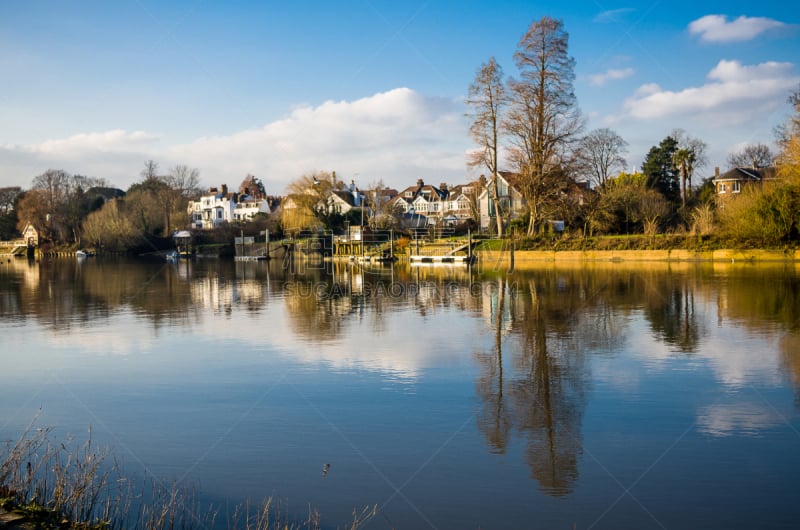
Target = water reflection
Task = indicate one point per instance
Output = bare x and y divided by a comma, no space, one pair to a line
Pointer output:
540,340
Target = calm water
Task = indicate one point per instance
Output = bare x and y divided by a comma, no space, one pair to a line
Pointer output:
646,396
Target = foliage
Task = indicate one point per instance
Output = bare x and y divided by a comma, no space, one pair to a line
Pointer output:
769,216
310,204
703,220
9,197
659,168
110,229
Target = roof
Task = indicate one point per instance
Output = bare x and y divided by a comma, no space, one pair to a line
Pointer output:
748,174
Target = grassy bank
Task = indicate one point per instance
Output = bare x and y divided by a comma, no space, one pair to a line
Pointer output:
66,484
639,242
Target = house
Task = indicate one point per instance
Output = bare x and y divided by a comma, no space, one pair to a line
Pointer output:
422,200
30,235
219,206
462,202
735,180
511,202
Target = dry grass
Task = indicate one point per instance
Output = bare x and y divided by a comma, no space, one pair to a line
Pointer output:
75,485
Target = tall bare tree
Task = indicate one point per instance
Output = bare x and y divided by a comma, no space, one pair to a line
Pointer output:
544,120
487,97
602,155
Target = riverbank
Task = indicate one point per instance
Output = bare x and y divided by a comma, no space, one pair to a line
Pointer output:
538,257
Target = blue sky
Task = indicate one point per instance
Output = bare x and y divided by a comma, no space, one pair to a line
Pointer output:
371,89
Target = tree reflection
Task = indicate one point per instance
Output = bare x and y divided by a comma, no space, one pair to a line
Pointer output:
545,323
548,393
670,308
494,418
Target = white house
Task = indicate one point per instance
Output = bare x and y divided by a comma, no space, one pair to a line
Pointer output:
220,206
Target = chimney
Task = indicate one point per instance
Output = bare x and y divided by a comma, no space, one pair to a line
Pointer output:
443,187
352,185
420,183
224,189
716,171
333,179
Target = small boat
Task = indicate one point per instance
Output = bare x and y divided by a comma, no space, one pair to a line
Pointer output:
81,253
172,256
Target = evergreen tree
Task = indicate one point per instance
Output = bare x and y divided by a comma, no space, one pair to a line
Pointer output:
659,168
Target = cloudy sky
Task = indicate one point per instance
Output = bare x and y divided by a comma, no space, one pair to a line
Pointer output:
372,89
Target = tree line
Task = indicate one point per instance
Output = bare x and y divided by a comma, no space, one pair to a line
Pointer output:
532,123
70,209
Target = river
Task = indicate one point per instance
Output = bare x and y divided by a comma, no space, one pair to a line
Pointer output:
606,396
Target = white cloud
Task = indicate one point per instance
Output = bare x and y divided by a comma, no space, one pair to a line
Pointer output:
397,136
109,141
716,28
736,419
612,15
610,75
734,94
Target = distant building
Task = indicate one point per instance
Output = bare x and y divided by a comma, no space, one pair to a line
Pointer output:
219,206
735,180
512,204
30,235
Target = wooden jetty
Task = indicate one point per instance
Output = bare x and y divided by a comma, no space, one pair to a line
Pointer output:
449,251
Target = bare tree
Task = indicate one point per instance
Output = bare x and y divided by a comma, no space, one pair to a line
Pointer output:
185,181
150,170
544,120
487,97
758,155
601,154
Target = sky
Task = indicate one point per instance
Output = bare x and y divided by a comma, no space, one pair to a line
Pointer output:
373,90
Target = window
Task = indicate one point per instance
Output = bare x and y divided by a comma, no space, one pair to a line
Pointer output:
219,214
462,203
722,188
736,187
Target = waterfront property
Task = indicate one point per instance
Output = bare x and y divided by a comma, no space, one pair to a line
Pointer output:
220,206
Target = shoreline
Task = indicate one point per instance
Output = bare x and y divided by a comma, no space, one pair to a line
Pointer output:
752,256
